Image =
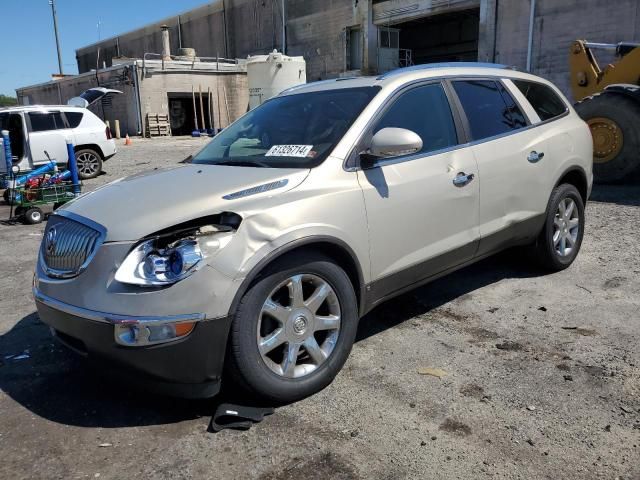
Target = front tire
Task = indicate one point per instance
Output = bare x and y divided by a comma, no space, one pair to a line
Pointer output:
561,237
293,329
89,163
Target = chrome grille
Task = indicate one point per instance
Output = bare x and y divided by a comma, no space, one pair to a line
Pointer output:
68,245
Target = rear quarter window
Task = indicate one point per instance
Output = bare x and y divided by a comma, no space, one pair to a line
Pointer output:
542,98
74,118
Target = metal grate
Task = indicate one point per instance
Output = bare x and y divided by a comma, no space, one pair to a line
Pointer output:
68,246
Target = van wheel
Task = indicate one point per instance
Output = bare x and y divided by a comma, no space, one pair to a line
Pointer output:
293,329
561,237
89,163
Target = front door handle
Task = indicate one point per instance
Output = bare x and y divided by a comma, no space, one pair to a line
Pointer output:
462,179
534,156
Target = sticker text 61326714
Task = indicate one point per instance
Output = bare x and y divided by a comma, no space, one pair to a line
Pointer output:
289,151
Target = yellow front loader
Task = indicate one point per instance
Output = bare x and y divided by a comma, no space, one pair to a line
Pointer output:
608,99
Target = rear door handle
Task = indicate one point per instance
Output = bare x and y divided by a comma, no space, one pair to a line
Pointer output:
462,179
534,156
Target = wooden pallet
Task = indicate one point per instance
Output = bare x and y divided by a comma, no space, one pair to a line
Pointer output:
158,125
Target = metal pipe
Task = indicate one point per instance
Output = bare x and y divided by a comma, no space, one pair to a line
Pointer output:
209,107
55,30
136,81
166,44
226,103
204,126
224,26
613,47
73,166
284,28
8,159
532,15
195,110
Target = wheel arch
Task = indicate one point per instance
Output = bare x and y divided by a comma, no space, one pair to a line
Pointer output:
89,146
332,247
577,177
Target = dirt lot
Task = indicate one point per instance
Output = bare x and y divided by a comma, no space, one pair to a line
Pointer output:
542,377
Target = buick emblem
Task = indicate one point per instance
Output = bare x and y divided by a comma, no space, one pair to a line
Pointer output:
50,240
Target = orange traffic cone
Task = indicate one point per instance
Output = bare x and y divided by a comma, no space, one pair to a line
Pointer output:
127,140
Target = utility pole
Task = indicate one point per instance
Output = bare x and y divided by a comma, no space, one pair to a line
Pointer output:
55,29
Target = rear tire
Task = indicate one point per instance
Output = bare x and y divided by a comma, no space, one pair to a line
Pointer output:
614,120
561,237
265,372
89,163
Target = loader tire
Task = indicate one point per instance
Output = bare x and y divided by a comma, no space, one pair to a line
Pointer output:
614,120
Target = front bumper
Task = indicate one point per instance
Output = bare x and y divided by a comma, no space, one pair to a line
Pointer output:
189,367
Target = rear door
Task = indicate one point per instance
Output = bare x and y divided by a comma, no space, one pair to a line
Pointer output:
47,133
511,162
420,221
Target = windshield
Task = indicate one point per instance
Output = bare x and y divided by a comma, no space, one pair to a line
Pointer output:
293,131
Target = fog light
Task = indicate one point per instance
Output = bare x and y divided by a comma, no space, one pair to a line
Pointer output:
138,334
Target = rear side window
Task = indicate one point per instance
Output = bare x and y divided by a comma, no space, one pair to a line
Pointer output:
489,108
542,98
424,110
74,118
45,121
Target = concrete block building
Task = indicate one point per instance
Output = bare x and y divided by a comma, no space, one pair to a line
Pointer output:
156,87
367,37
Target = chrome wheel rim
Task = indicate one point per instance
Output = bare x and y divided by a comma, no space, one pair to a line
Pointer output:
299,325
566,227
87,163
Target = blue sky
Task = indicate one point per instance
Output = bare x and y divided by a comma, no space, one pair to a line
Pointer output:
28,44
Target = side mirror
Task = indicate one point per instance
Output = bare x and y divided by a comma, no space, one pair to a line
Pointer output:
391,142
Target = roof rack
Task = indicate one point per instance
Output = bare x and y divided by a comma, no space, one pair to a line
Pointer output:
430,66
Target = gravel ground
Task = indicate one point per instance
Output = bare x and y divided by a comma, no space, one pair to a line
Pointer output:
541,377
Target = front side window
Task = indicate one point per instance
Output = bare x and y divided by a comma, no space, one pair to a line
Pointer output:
424,110
543,99
45,121
489,111
291,131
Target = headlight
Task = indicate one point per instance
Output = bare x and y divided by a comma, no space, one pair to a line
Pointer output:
149,265
177,252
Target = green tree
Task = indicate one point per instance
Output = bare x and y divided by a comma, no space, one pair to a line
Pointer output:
6,101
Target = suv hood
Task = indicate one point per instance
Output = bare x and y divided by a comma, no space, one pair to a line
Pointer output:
136,206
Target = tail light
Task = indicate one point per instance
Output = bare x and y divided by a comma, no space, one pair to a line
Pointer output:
107,132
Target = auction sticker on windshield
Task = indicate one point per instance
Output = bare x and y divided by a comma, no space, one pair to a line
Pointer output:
289,151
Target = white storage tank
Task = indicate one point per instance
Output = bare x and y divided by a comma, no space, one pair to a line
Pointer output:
268,75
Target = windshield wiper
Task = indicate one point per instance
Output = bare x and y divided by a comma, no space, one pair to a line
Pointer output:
243,163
